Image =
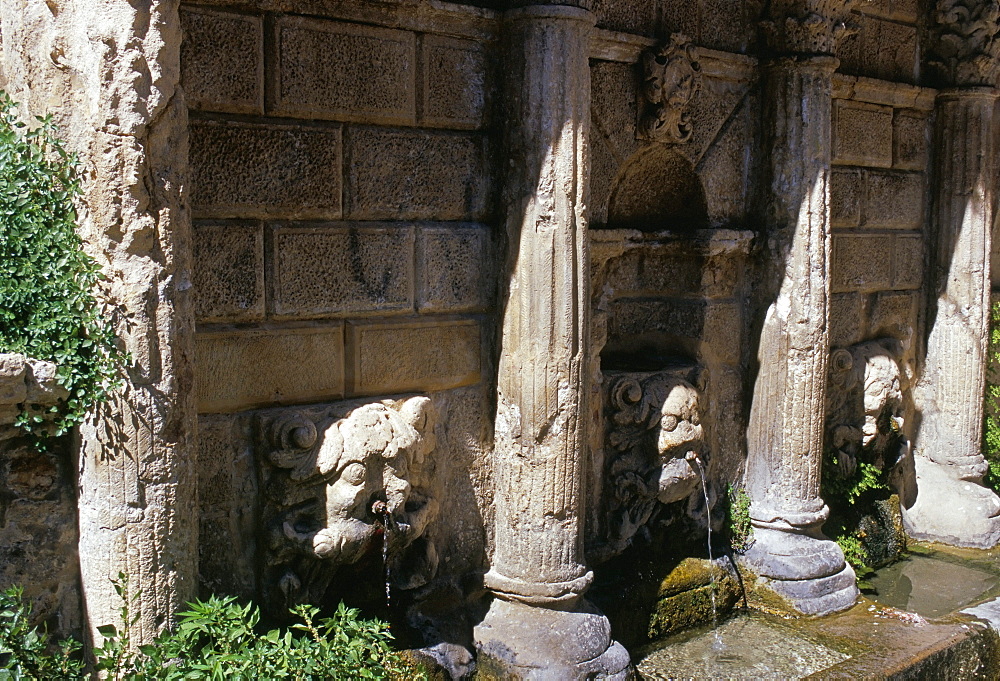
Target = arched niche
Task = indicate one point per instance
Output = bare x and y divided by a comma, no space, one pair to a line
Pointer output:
657,190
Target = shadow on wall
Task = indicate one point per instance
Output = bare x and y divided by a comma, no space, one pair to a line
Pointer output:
658,190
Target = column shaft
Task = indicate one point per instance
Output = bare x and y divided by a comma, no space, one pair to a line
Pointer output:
785,435
539,624
951,505
785,441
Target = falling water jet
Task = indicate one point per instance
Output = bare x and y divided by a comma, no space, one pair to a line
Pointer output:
693,457
380,508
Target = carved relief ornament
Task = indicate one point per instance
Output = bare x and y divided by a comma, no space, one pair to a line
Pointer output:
671,78
655,445
337,484
965,49
807,27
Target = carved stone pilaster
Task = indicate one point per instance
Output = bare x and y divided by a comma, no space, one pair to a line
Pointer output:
964,49
539,624
671,78
807,27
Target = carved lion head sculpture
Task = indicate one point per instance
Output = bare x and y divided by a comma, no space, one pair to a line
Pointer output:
337,491
655,444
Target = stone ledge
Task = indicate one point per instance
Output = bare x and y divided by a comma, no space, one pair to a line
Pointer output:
426,16
884,92
25,381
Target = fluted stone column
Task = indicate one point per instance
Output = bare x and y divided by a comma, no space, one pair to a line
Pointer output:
952,505
109,73
785,435
539,625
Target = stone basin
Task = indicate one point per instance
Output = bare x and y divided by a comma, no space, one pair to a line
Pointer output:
928,620
749,646
931,586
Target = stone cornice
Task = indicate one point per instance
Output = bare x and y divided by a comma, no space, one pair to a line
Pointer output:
964,48
807,27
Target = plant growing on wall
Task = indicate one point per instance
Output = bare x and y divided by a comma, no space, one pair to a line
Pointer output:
48,310
738,519
991,412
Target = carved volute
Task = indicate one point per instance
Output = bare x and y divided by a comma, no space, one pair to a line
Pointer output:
671,78
964,47
807,27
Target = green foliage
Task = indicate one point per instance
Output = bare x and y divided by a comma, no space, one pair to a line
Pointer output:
738,519
215,639
25,650
991,413
849,497
856,556
46,279
840,488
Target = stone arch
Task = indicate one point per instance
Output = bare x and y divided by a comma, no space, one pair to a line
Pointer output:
656,190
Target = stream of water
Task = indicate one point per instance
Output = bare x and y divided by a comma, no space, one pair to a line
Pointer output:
718,645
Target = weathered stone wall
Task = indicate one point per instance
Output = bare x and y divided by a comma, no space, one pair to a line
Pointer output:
341,189
38,530
729,25
887,43
878,206
108,72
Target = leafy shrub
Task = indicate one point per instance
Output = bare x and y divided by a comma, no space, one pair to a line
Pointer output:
46,279
26,652
991,413
866,478
215,639
738,519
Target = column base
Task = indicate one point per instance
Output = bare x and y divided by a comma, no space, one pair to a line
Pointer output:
520,641
803,567
952,510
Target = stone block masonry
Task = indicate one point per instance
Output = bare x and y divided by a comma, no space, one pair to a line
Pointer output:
222,61
229,271
241,169
340,178
878,205
887,43
319,271
340,71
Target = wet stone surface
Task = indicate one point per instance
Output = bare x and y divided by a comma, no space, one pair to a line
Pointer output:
741,647
930,586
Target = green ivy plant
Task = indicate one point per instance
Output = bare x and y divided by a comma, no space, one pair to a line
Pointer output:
991,413
49,311
215,639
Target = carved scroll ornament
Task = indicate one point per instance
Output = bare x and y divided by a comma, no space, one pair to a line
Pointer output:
671,78
807,27
335,486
